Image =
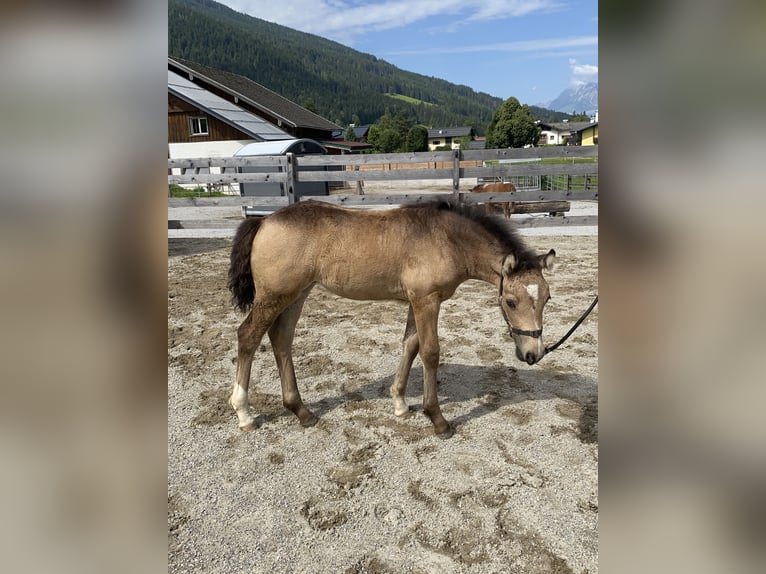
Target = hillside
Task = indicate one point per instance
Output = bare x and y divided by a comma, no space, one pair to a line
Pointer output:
335,81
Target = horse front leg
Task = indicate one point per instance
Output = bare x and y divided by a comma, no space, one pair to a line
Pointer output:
426,311
410,347
281,335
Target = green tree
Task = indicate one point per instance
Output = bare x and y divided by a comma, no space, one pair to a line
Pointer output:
389,133
512,126
350,136
463,142
583,117
373,134
417,139
389,141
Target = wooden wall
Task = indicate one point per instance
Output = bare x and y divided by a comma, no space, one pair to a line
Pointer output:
179,130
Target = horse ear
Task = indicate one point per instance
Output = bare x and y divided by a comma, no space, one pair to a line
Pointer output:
547,261
509,263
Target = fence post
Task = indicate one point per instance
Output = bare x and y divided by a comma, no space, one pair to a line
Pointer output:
290,172
456,172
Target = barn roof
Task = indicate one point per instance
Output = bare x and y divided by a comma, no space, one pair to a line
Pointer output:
255,95
224,110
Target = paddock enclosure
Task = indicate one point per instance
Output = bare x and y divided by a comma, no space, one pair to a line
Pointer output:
546,180
515,489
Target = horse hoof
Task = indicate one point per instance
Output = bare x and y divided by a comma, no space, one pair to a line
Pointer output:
404,414
251,426
310,422
446,434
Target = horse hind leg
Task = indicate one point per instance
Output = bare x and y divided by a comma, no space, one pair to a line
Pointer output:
281,335
410,347
249,335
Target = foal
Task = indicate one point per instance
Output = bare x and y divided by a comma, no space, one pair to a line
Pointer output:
418,254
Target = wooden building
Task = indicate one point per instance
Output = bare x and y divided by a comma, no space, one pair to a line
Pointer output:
251,97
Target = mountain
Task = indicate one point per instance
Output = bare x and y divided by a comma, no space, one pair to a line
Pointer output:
577,99
333,80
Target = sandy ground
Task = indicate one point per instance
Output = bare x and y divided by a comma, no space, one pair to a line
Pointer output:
515,490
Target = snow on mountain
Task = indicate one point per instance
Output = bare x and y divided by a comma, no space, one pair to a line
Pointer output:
577,99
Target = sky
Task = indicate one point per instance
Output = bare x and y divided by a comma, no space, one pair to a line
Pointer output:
529,49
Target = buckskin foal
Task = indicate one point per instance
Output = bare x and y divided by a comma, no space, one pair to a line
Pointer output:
417,254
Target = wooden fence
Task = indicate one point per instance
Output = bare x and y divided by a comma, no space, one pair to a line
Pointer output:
576,165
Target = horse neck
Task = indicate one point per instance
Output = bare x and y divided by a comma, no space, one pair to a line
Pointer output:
483,257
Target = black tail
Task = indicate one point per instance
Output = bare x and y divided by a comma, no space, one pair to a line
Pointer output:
240,274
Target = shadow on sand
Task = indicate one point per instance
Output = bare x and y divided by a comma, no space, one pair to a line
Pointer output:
488,389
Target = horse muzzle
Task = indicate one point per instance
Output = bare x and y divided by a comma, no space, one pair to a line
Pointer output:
529,357
527,353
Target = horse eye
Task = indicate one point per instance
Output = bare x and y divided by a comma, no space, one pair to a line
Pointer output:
511,303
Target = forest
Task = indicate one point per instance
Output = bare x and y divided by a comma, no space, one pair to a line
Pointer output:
337,82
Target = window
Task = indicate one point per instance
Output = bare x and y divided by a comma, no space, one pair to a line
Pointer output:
198,126
436,142
447,141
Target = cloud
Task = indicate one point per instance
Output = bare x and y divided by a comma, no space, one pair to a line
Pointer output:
585,70
520,46
582,73
344,18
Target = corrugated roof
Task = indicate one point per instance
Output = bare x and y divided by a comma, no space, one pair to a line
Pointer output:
257,95
224,110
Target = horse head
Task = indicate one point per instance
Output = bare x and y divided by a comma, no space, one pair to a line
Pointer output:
523,295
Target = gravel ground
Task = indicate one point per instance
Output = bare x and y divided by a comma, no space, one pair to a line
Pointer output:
515,490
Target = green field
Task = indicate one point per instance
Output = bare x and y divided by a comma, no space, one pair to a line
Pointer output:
562,182
409,100
178,191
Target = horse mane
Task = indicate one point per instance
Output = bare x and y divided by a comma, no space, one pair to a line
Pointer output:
501,229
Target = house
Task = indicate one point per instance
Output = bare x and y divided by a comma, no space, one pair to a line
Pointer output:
203,124
568,133
589,135
360,132
438,137
357,146
199,103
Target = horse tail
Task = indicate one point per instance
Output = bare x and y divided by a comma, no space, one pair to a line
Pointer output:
241,282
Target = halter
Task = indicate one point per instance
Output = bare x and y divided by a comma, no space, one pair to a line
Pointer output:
511,329
538,333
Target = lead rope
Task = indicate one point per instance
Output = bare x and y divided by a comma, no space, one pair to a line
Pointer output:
555,346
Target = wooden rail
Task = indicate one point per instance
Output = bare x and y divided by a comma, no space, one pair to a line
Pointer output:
451,166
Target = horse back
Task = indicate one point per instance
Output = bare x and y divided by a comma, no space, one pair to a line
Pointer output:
355,253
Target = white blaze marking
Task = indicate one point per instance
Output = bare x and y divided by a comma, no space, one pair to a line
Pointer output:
533,291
